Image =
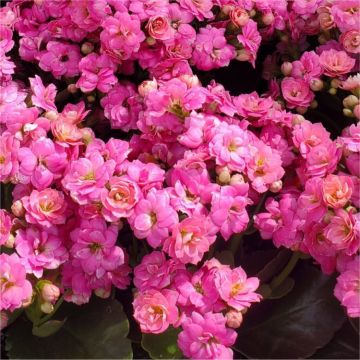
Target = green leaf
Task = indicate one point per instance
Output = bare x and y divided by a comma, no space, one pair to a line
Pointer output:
344,345
48,328
92,331
162,346
226,257
296,325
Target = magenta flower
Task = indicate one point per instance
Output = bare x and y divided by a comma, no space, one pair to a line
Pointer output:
43,97
206,337
296,92
250,39
15,289
94,247
5,226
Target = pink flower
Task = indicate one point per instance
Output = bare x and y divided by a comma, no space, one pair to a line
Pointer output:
15,289
252,106
337,190
145,9
43,97
45,208
97,72
121,36
264,168
308,67
155,272
42,163
347,288
154,218
343,232
351,138
236,289
159,28
336,63
155,310
296,92
230,147
40,249
5,226
94,247
211,50
345,13
228,211
201,9
250,39
9,164
190,239
86,177
61,59
206,337
305,7
350,40
119,201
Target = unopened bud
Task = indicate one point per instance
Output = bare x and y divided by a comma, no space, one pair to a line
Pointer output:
50,293
335,83
226,9
242,55
190,80
348,113
301,110
91,98
297,119
252,13
350,101
237,179
351,209
17,208
150,41
276,186
72,89
10,242
314,104
51,115
316,85
322,39
332,91
268,18
47,308
102,293
286,68
87,48
224,176
234,319
146,86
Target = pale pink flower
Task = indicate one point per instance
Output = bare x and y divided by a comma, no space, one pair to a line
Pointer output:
336,63
159,28
155,310
5,226
252,106
43,97
154,218
120,198
346,14
350,40
206,337
9,164
40,249
46,207
190,239
15,289
337,190
236,289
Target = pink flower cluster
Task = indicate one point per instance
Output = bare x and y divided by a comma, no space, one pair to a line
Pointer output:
194,161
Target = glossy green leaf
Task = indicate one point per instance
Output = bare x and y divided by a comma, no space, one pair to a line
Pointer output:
91,331
296,325
162,346
48,328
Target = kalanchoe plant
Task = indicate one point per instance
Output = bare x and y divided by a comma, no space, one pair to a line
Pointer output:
148,211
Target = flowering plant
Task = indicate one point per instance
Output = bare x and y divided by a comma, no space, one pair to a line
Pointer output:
180,178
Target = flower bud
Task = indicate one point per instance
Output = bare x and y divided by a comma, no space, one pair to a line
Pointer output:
242,55
150,41
190,80
146,86
332,91
50,292
91,98
237,179
316,85
239,17
51,115
87,48
102,293
314,104
252,13
348,113
3,320
322,39
72,89
17,208
10,242
297,119
350,101
301,110
224,176
276,186
335,83
234,319
226,9
286,68
47,308
268,18
351,209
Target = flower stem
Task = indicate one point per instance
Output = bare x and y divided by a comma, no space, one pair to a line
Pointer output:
286,271
56,308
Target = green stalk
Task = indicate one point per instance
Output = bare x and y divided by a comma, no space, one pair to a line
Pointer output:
286,271
49,316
